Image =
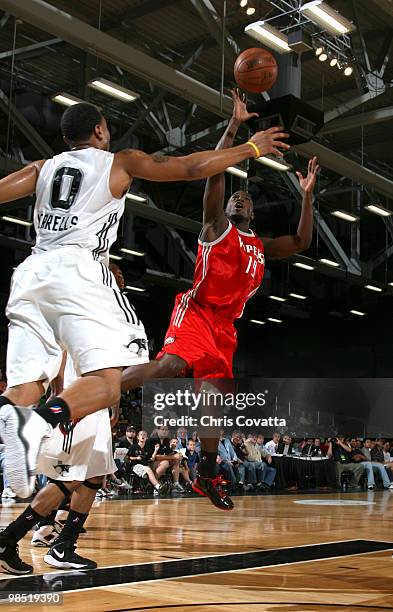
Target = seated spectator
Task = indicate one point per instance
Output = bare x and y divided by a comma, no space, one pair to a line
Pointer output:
140,455
377,456
271,446
182,438
261,441
129,439
165,457
388,459
269,472
341,452
372,466
312,448
227,460
193,459
285,446
198,446
255,459
245,469
183,467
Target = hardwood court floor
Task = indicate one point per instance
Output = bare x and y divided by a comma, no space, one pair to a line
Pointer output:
271,553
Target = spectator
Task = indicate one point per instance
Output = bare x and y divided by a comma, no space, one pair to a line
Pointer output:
140,456
269,472
182,438
341,452
372,466
198,446
388,460
312,448
255,459
193,459
271,446
129,439
165,457
183,467
285,446
245,468
227,460
261,441
378,457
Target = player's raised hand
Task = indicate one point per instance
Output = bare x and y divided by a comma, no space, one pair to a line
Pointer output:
240,113
270,141
307,183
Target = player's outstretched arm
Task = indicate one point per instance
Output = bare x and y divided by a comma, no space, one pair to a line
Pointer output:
214,219
136,164
20,184
285,246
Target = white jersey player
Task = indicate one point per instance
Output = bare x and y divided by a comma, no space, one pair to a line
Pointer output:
61,296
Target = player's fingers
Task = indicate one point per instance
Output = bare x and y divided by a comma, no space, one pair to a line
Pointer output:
277,152
254,115
299,175
282,145
274,129
280,135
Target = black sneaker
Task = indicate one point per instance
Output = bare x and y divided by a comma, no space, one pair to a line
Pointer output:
10,561
211,488
63,555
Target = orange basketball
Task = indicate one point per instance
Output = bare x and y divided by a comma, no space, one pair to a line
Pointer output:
255,70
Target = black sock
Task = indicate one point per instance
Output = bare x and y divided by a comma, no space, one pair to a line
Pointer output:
4,401
48,520
20,526
207,466
73,526
55,411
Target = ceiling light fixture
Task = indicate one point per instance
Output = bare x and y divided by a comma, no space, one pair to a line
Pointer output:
341,214
268,35
379,210
323,57
329,262
135,197
298,296
132,252
17,221
274,164
237,172
257,321
373,288
115,257
348,71
243,3
132,288
250,10
319,50
325,16
66,99
333,61
274,320
277,298
113,89
304,266
357,312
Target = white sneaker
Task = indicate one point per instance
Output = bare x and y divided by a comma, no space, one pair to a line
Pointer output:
390,486
24,432
8,492
44,536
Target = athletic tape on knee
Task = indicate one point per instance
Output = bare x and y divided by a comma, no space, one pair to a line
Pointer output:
61,486
92,485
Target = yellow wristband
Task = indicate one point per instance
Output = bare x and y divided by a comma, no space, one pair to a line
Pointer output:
254,146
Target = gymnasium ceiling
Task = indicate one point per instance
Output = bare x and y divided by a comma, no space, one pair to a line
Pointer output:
174,33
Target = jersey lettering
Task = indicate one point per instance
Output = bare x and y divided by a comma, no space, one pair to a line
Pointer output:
65,187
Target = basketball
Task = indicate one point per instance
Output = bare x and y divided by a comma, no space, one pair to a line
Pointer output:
255,70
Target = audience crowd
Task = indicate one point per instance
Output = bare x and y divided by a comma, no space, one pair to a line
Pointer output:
163,462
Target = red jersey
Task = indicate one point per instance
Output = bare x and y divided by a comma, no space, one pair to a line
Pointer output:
228,271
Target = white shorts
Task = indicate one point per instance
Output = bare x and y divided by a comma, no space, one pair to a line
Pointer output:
140,470
77,451
65,300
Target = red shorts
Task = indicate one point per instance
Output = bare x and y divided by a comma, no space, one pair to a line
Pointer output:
205,342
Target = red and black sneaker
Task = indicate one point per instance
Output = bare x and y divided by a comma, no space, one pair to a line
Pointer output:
212,488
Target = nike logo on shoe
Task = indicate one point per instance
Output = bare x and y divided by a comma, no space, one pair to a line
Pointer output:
60,555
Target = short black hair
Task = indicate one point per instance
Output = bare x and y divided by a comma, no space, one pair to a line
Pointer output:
78,121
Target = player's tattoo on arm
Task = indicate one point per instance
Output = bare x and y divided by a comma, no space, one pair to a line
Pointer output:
160,159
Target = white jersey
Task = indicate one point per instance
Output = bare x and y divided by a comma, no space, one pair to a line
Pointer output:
74,204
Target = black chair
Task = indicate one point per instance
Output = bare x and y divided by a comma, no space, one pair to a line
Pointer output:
346,478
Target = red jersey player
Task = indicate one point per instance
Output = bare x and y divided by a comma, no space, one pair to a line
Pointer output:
229,269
